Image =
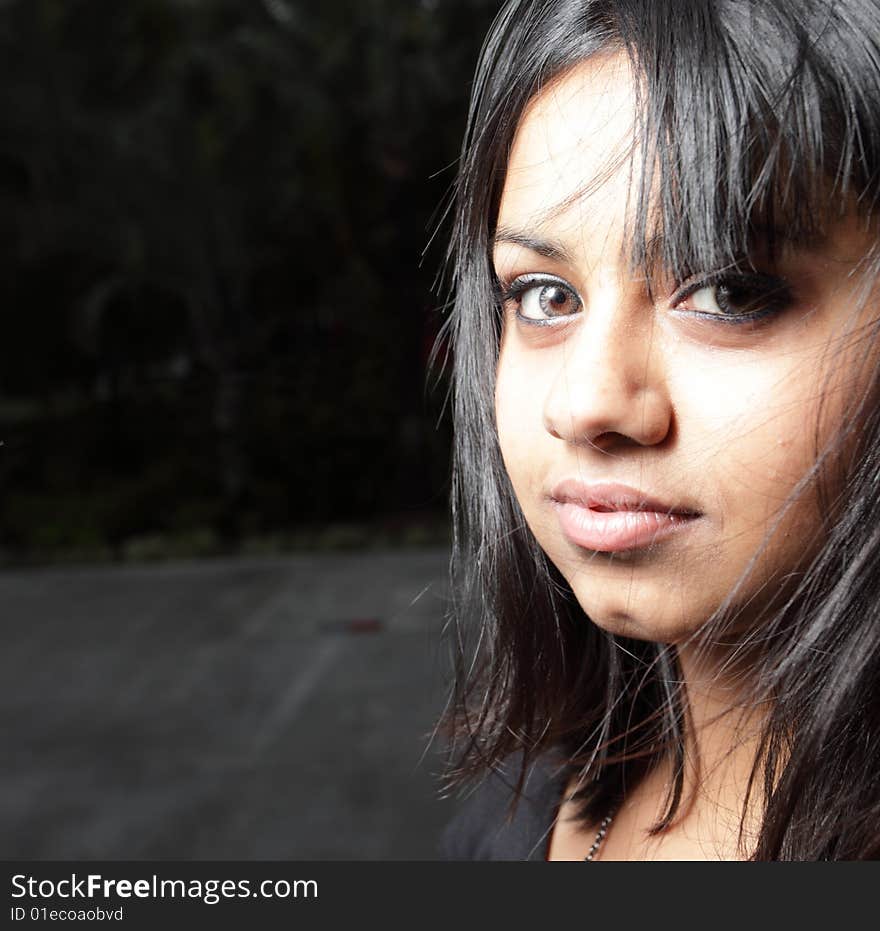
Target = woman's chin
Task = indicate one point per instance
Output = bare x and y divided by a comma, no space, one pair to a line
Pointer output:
640,621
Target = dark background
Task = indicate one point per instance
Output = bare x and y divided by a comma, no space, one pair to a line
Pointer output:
217,320
216,315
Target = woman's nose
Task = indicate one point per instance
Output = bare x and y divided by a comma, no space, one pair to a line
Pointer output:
610,384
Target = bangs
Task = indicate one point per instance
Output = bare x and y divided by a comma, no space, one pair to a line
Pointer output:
758,127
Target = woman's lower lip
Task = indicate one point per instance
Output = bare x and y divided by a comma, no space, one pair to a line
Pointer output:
614,531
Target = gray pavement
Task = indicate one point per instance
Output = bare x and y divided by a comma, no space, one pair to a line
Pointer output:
260,709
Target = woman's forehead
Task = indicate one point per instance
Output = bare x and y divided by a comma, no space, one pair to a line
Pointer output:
573,155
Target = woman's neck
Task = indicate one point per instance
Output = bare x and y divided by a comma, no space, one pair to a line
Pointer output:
722,742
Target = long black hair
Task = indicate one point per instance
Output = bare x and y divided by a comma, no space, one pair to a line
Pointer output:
758,121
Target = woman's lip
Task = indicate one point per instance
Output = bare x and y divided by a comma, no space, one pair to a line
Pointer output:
610,517
613,496
615,531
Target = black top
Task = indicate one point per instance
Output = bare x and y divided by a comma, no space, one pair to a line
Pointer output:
483,830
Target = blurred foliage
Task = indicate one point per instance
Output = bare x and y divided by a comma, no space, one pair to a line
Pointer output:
212,215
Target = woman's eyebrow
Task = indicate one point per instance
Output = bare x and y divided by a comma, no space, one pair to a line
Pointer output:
549,248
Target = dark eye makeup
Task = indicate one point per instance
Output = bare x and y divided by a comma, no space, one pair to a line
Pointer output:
540,299
729,297
739,297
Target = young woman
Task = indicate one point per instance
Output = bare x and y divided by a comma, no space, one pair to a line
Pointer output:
666,339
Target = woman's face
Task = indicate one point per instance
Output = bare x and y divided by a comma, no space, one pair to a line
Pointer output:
705,401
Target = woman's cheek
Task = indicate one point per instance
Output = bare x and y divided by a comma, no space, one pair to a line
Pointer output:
757,421
519,418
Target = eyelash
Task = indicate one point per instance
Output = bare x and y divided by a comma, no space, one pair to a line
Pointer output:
769,290
764,286
514,290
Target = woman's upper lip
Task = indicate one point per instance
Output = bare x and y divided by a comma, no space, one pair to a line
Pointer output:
613,496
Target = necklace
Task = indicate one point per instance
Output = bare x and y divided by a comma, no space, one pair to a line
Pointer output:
600,835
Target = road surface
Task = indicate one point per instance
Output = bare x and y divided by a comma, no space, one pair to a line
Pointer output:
247,709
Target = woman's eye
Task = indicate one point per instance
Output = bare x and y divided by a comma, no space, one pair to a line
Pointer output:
542,300
736,298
